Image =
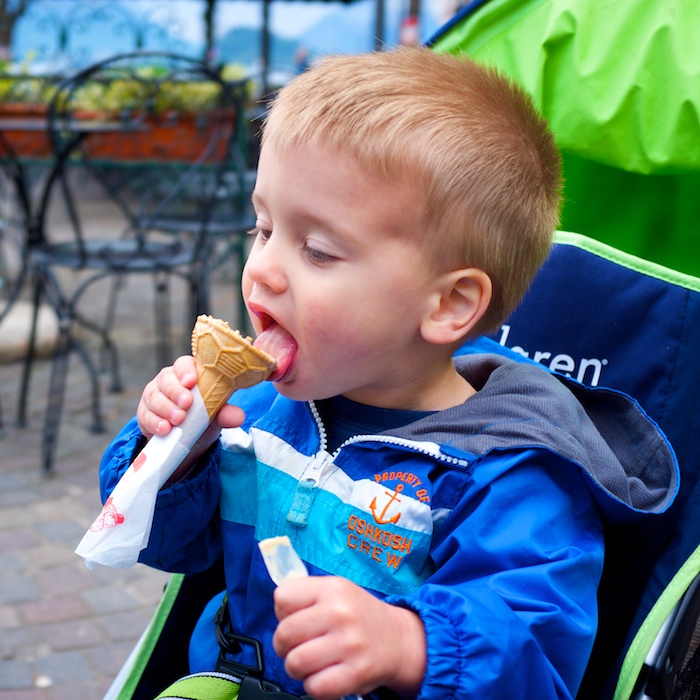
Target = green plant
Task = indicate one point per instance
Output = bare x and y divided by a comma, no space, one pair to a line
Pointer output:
26,90
131,92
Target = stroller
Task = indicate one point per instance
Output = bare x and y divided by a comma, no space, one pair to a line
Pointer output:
618,83
603,316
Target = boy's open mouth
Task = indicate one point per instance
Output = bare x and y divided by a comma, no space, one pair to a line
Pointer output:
278,342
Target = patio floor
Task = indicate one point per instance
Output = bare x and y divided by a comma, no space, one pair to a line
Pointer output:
64,630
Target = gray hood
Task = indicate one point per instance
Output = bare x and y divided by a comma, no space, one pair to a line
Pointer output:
627,459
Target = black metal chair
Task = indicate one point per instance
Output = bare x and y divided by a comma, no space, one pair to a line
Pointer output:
158,135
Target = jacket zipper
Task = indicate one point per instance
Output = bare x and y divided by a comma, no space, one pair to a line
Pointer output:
403,442
305,491
306,487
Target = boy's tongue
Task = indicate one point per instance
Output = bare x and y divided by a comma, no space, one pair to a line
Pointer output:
276,341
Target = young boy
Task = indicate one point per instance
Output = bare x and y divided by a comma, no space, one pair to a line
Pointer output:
450,511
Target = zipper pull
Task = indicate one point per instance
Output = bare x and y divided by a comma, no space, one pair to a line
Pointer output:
306,489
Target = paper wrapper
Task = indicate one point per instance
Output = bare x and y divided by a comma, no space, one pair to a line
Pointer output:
226,361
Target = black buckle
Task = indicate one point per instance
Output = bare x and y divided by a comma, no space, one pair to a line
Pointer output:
231,643
257,689
253,686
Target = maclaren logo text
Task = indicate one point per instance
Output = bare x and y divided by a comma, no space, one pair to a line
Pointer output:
587,371
378,543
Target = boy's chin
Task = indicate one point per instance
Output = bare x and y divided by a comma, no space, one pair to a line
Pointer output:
299,391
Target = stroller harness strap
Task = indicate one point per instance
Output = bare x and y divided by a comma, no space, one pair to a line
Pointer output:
220,686
198,686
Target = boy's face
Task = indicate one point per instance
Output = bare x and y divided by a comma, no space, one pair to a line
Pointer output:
335,278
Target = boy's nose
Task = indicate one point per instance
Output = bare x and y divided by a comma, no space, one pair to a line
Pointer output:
263,268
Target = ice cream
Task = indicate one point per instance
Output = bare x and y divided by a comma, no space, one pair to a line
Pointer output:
226,361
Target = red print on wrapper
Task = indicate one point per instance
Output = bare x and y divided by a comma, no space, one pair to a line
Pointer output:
109,517
138,462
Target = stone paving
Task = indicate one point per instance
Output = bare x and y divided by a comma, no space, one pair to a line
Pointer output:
64,630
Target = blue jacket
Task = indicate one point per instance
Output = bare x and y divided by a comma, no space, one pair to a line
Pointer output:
485,519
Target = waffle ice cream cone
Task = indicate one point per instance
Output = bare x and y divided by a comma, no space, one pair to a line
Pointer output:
226,361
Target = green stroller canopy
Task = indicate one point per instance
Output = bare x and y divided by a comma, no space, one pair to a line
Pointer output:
620,84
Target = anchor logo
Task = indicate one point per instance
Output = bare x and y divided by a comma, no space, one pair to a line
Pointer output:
381,518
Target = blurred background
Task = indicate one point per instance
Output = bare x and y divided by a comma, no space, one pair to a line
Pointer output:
48,36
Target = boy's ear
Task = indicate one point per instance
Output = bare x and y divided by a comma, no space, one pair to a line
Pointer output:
460,299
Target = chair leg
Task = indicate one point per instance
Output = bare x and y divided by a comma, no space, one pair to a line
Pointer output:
29,357
97,422
54,405
107,348
117,283
109,356
57,392
164,344
199,282
115,385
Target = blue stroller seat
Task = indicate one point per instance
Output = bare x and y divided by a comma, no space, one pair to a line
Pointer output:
608,318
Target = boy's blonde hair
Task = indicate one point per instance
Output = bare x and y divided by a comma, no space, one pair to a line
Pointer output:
485,157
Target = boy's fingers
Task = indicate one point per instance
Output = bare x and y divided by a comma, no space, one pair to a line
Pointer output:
168,399
230,417
331,682
298,628
309,658
293,595
186,371
170,387
149,422
154,425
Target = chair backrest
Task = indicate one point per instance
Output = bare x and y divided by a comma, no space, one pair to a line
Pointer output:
608,318
159,134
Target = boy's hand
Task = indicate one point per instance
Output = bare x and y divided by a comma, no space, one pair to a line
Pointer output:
341,640
166,399
164,404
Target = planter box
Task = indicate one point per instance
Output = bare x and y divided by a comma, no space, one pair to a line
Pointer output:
29,142
176,138
170,137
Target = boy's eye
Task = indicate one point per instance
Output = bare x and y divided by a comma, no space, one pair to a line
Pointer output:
317,256
262,233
